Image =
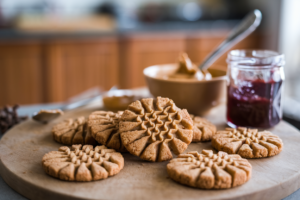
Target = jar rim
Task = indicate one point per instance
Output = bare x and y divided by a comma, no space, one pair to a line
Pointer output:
253,58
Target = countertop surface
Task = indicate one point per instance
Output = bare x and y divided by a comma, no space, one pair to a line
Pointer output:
210,27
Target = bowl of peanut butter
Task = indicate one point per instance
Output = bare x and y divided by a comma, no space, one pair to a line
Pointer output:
197,91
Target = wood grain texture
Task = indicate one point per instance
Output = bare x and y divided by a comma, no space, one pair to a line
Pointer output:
20,72
75,66
53,70
22,148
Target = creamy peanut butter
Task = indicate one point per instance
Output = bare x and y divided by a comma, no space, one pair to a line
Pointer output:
188,70
56,111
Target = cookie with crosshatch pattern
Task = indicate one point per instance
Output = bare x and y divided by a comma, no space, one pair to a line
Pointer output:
154,128
248,143
73,131
104,127
208,170
204,130
83,163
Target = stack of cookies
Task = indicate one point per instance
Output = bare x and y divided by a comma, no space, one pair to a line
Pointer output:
155,129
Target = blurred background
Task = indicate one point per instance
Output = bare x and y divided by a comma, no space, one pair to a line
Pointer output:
51,50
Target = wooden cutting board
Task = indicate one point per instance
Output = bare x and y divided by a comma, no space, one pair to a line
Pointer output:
23,147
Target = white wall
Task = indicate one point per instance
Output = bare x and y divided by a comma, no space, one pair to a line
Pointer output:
289,38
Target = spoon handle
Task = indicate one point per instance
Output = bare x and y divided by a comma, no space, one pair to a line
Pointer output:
79,103
240,32
84,102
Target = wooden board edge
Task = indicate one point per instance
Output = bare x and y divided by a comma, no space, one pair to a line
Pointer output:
29,190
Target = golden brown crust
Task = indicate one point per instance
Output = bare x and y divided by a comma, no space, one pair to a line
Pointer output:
154,128
204,130
249,143
73,131
209,171
82,163
104,127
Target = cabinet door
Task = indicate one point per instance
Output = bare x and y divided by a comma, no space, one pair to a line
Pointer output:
20,72
142,50
73,66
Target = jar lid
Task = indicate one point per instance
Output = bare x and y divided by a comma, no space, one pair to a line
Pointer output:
255,58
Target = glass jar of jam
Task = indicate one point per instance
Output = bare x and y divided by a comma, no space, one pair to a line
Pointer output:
255,82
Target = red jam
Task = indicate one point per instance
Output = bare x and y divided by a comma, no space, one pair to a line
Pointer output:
254,104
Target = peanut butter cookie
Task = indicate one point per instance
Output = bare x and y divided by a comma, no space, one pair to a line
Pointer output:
204,130
209,171
248,143
104,127
83,163
152,128
73,131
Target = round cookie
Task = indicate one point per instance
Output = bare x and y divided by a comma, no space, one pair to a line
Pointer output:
209,171
73,131
104,127
248,143
204,130
154,128
83,163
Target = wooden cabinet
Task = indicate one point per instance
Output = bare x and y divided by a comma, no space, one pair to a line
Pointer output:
54,70
39,71
74,66
20,72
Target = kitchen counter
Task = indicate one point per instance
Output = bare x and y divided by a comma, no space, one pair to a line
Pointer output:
205,27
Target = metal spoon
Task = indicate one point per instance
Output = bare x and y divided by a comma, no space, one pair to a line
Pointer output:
240,32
